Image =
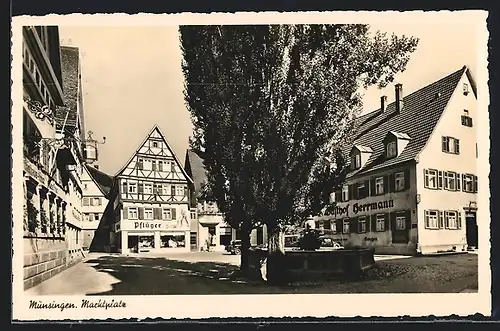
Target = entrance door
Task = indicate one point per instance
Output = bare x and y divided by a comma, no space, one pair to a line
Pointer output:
400,227
471,230
133,244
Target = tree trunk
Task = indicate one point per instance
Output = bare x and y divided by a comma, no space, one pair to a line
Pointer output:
246,229
276,273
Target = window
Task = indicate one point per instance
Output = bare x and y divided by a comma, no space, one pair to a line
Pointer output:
345,225
148,188
362,224
466,119
97,202
148,213
132,187
172,166
399,181
140,164
400,222
451,145
192,214
469,183
345,193
379,185
96,216
133,214
431,219
332,197
356,161
167,214
430,180
362,190
391,149
333,226
85,201
155,144
85,187
466,88
153,165
158,188
160,165
380,222
179,190
450,178
90,217
451,219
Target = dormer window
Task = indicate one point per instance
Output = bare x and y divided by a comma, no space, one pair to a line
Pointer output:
466,88
356,161
391,149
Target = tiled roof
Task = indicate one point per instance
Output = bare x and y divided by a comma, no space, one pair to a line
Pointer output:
103,180
417,119
70,78
364,148
195,168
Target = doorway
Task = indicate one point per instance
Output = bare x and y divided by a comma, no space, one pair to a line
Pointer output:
471,229
133,244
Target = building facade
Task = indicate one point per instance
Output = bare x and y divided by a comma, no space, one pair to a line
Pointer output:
209,231
151,200
51,156
412,182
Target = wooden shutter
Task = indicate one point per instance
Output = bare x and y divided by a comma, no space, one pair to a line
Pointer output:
457,146
457,182
174,212
426,219
386,184
459,220
125,213
392,182
441,219
140,188
474,184
355,191
367,189
125,187
350,193
353,225
386,222
185,191
160,165
141,213
372,187
408,219
440,180
426,178
338,196
373,223
407,179
445,144
172,190
392,216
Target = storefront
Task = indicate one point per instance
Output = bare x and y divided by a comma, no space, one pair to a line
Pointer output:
151,236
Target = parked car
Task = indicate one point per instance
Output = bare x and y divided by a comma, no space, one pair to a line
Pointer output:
329,243
234,247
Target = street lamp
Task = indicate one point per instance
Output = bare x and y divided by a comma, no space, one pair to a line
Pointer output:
90,147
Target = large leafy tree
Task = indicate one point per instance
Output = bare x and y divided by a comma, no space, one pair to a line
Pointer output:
272,108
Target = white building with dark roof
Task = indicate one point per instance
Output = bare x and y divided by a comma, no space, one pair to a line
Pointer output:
412,182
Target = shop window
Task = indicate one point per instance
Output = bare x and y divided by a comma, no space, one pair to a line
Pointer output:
133,213
391,149
345,226
432,219
380,222
146,242
345,193
451,219
430,178
399,181
173,241
362,224
379,185
451,145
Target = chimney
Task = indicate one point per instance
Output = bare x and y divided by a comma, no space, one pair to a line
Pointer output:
399,97
383,103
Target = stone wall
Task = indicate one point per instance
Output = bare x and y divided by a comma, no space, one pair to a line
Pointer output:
44,258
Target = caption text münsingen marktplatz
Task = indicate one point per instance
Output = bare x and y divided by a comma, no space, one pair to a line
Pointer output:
101,304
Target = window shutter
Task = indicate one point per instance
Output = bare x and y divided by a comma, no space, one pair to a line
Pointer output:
459,220
373,223
372,186
463,182
445,144
185,191
392,216
174,211
426,178
407,179
140,188
441,219
440,179
457,146
353,225
386,184
446,220
408,219
426,218
474,184
457,182
392,182
172,190
338,226
124,187
125,213
349,190
160,165
158,212
387,221
141,213
355,191
338,196
367,188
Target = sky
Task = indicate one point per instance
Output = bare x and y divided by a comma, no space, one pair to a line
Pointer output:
132,79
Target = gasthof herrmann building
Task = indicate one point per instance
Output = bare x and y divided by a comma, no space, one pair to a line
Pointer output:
413,181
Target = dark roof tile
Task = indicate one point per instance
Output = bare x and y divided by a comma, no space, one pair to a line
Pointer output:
103,180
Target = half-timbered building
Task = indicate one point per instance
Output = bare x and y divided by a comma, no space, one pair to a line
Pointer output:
152,205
